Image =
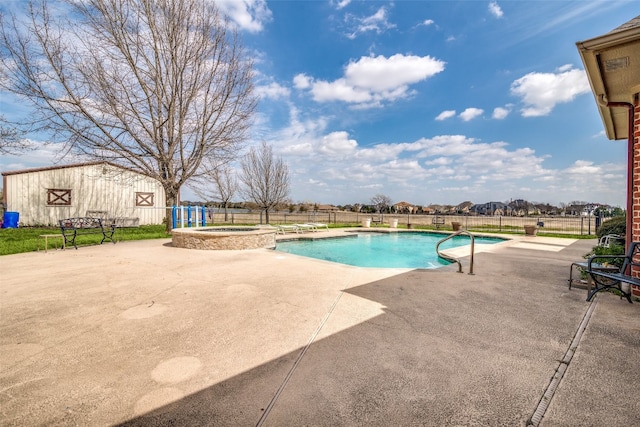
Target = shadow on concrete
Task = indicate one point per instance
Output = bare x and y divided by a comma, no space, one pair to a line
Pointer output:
448,349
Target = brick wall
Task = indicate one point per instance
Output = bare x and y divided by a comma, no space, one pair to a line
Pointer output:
636,183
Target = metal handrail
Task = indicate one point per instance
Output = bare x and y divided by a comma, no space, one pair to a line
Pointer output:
452,259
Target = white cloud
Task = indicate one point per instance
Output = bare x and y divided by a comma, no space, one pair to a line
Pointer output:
471,113
370,81
337,144
541,92
428,22
341,4
495,9
344,165
340,90
377,22
272,90
302,81
249,15
586,180
500,113
446,114
584,167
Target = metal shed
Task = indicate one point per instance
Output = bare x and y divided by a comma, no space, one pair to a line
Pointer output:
42,196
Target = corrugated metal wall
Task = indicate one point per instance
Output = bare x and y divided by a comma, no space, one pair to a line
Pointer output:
96,187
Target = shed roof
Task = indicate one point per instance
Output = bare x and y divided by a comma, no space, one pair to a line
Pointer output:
67,166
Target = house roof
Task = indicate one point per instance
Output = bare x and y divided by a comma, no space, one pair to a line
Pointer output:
612,63
75,165
327,207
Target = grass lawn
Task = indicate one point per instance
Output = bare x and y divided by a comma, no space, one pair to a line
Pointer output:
26,239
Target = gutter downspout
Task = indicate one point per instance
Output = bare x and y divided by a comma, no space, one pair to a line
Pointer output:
630,161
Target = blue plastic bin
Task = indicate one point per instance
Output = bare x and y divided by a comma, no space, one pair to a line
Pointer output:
10,220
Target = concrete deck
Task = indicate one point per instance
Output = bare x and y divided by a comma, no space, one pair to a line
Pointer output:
141,333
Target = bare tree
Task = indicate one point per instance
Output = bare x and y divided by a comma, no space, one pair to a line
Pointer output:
11,138
381,202
153,85
225,186
265,178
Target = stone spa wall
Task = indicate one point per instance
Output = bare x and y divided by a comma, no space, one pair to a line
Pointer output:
224,238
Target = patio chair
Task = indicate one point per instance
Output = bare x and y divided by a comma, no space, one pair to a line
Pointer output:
306,227
283,228
319,225
609,239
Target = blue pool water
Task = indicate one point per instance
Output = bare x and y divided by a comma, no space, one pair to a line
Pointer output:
396,250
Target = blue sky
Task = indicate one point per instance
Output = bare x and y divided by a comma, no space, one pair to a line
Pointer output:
426,101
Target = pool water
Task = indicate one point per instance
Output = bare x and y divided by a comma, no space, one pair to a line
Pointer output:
397,250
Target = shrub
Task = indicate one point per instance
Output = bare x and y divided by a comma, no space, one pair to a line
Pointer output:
616,225
613,249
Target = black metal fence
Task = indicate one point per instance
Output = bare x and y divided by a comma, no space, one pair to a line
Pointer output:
583,225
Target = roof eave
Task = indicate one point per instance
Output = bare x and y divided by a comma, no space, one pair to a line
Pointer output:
589,50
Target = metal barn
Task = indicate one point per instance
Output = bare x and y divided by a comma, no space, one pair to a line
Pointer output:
43,196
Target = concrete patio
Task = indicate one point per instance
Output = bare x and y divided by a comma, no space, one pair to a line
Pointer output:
142,333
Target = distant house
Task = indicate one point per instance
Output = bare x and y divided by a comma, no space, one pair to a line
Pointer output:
327,208
429,210
580,209
435,209
491,208
404,208
520,207
464,207
45,195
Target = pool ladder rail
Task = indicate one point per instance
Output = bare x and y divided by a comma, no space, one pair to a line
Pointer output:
453,259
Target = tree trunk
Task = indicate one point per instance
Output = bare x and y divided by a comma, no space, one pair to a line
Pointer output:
171,197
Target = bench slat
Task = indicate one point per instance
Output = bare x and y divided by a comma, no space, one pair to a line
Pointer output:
619,277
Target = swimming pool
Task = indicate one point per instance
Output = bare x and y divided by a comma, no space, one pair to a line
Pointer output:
393,250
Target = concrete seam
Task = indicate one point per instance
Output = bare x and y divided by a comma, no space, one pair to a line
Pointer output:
324,320
549,392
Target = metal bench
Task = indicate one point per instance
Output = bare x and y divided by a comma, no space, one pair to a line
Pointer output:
604,280
73,227
120,222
